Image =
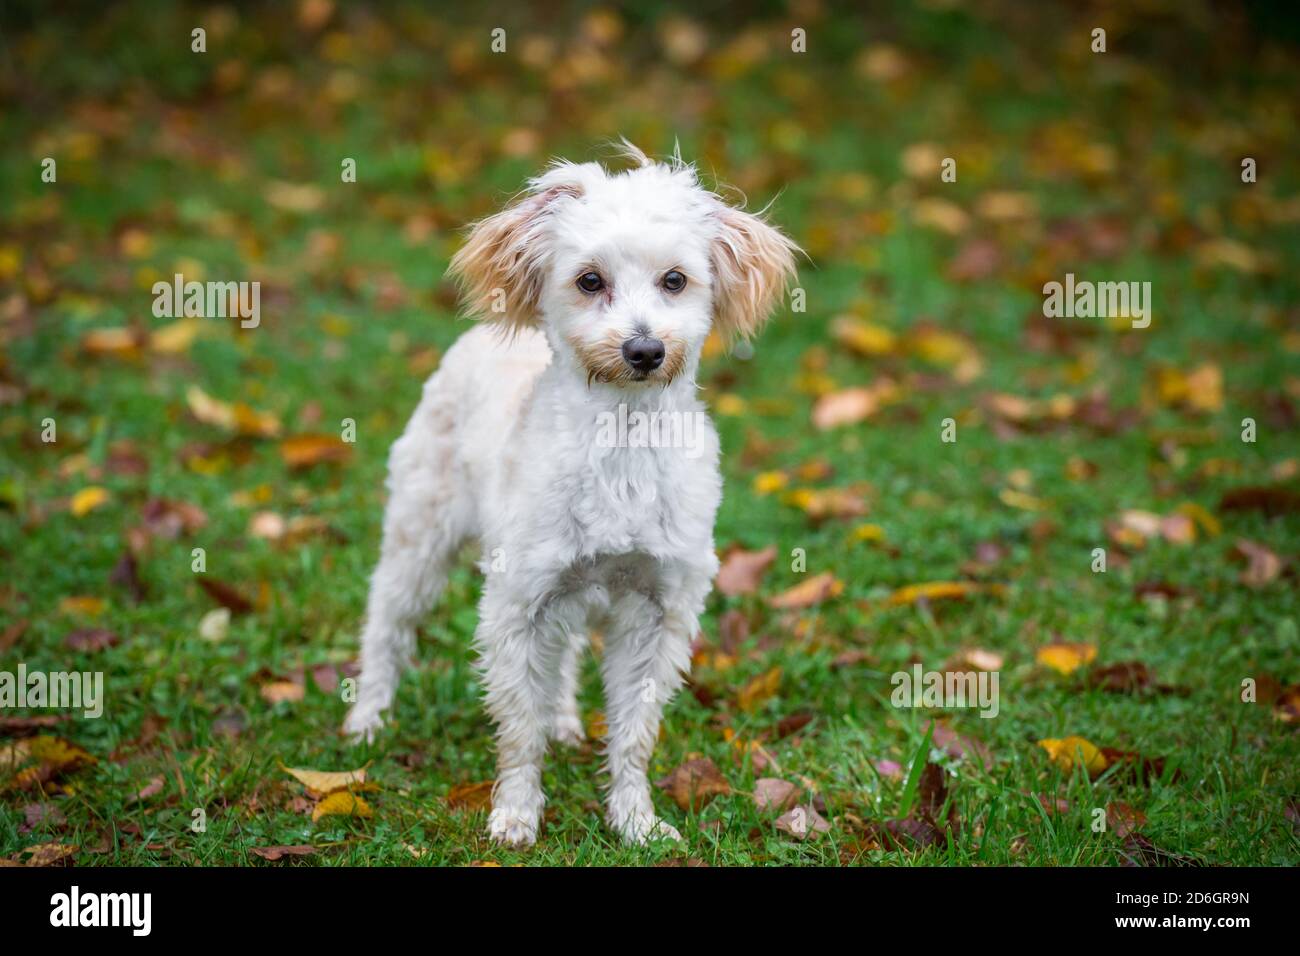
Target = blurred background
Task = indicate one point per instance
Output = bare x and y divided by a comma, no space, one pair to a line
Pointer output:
923,303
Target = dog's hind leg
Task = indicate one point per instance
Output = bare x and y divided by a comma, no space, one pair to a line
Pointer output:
567,724
426,521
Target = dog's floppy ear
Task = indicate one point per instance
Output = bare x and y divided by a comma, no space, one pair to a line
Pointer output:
501,267
752,264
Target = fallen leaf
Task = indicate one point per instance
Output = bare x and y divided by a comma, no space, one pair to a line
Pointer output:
89,640
1069,752
694,783
342,803
812,591
274,853
1065,657
1124,819
1273,500
802,822
742,571
1262,565
759,689
471,796
773,793
50,854
935,591
322,782
238,418
304,451
282,691
87,500
225,595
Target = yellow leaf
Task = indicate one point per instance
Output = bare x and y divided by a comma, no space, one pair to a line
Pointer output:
87,500
769,481
1064,657
759,689
863,338
730,405
1070,752
176,337
82,604
121,343
326,781
342,803
1020,499
869,532
1206,521
933,591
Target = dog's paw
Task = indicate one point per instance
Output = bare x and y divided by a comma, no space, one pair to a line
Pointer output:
362,724
568,730
512,827
641,829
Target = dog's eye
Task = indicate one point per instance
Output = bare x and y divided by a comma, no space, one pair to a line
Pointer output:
591,282
674,281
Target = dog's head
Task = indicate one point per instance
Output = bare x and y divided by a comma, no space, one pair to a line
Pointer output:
625,271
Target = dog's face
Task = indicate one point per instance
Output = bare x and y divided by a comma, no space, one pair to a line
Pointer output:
626,272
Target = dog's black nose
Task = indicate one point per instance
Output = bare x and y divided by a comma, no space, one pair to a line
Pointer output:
643,353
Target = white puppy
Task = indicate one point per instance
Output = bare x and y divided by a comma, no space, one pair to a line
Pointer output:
606,284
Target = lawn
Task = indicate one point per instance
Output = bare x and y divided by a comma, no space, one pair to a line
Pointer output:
933,460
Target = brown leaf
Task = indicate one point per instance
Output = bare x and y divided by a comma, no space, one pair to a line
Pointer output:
1124,819
273,853
773,793
1122,677
50,854
758,690
9,636
91,639
694,783
1262,565
225,595
802,822
304,451
126,575
742,571
470,796
1273,500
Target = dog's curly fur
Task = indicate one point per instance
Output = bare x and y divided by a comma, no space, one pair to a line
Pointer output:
576,533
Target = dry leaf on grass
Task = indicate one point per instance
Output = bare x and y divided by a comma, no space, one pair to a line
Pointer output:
802,822
1065,657
273,853
470,796
342,803
742,571
813,591
694,783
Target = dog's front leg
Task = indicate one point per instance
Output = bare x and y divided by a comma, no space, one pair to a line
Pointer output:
521,652
646,656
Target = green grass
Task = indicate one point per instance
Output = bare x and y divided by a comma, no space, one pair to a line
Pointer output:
156,141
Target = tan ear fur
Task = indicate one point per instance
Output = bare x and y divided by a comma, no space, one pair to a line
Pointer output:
500,267
753,263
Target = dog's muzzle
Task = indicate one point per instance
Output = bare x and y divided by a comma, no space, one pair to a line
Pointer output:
643,353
